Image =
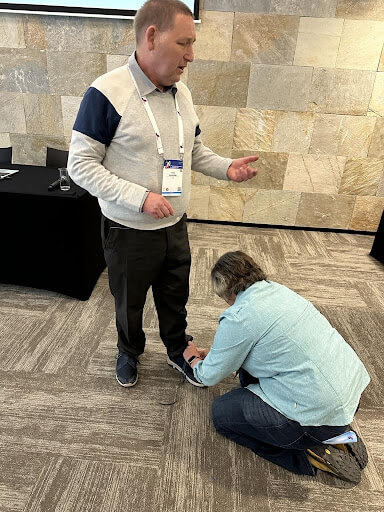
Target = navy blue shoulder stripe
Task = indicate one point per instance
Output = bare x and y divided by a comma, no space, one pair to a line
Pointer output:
97,117
197,131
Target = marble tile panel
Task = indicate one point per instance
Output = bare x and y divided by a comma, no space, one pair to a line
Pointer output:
341,91
342,135
318,9
254,129
11,31
271,169
314,173
361,9
318,42
34,32
217,125
12,116
32,149
5,141
116,61
361,45
198,204
258,6
279,87
70,107
23,70
376,149
264,39
362,176
293,132
227,203
325,210
219,83
70,74
376,105
43,114
380,188
121,37
367,213
277,207
217,47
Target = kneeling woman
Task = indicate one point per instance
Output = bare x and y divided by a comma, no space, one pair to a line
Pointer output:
301,382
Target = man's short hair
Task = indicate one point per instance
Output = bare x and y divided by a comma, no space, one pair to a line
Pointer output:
234,272
160,13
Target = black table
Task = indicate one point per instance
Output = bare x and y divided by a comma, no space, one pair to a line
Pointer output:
49,240
377,250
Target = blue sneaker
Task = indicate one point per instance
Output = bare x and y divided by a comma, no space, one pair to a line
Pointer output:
179,363
126,370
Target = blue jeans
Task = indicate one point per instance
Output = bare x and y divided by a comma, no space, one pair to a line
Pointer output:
245,418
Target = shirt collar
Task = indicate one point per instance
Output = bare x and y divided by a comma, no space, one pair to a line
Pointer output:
143,82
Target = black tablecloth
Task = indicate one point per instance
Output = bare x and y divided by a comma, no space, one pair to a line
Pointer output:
50,240
377,250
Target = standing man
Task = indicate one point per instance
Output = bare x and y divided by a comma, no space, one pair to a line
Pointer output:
134,142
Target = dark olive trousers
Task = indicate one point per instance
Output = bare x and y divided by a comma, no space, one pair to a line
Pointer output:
138,259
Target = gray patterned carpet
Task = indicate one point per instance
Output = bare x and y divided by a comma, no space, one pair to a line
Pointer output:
72,439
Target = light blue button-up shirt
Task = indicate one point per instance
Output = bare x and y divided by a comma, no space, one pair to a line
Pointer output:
306,370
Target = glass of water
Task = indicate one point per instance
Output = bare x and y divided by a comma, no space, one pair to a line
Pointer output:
65,183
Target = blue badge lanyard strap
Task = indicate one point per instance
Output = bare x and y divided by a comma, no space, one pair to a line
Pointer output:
159,143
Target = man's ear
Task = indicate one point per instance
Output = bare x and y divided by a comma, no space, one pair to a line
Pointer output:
150,36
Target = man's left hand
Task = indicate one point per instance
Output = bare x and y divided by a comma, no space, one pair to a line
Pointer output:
239,170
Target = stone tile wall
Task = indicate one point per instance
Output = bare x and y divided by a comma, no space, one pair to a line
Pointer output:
298,82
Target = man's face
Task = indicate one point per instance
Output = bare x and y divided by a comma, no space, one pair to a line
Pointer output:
173,50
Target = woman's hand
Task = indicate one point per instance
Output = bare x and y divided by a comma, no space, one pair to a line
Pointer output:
191,351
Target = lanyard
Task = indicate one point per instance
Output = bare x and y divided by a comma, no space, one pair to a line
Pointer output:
159,143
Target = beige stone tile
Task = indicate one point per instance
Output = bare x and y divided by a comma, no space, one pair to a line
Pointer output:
376,149
293,132
380,188
121,37
361,45
277,207
34,32
254,129
342,135
227,203
319,9
341,91
376,106
279,87
12,117
317,50
32,149
264,39
70,107
361,176
217,125
70,74
116,61
271,169
11,31
321,26
314,173
23,70
367,213
198,204
325,211
361,9
214,36
5,141
43,114
261,6
219,83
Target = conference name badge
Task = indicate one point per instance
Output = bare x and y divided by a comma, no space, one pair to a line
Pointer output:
172,178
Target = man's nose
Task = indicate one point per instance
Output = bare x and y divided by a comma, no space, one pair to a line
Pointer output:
189,56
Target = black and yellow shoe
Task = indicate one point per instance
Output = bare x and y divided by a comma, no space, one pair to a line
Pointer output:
333,460
357,450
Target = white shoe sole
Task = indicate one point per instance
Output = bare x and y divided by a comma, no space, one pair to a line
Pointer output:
177,367
129,384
